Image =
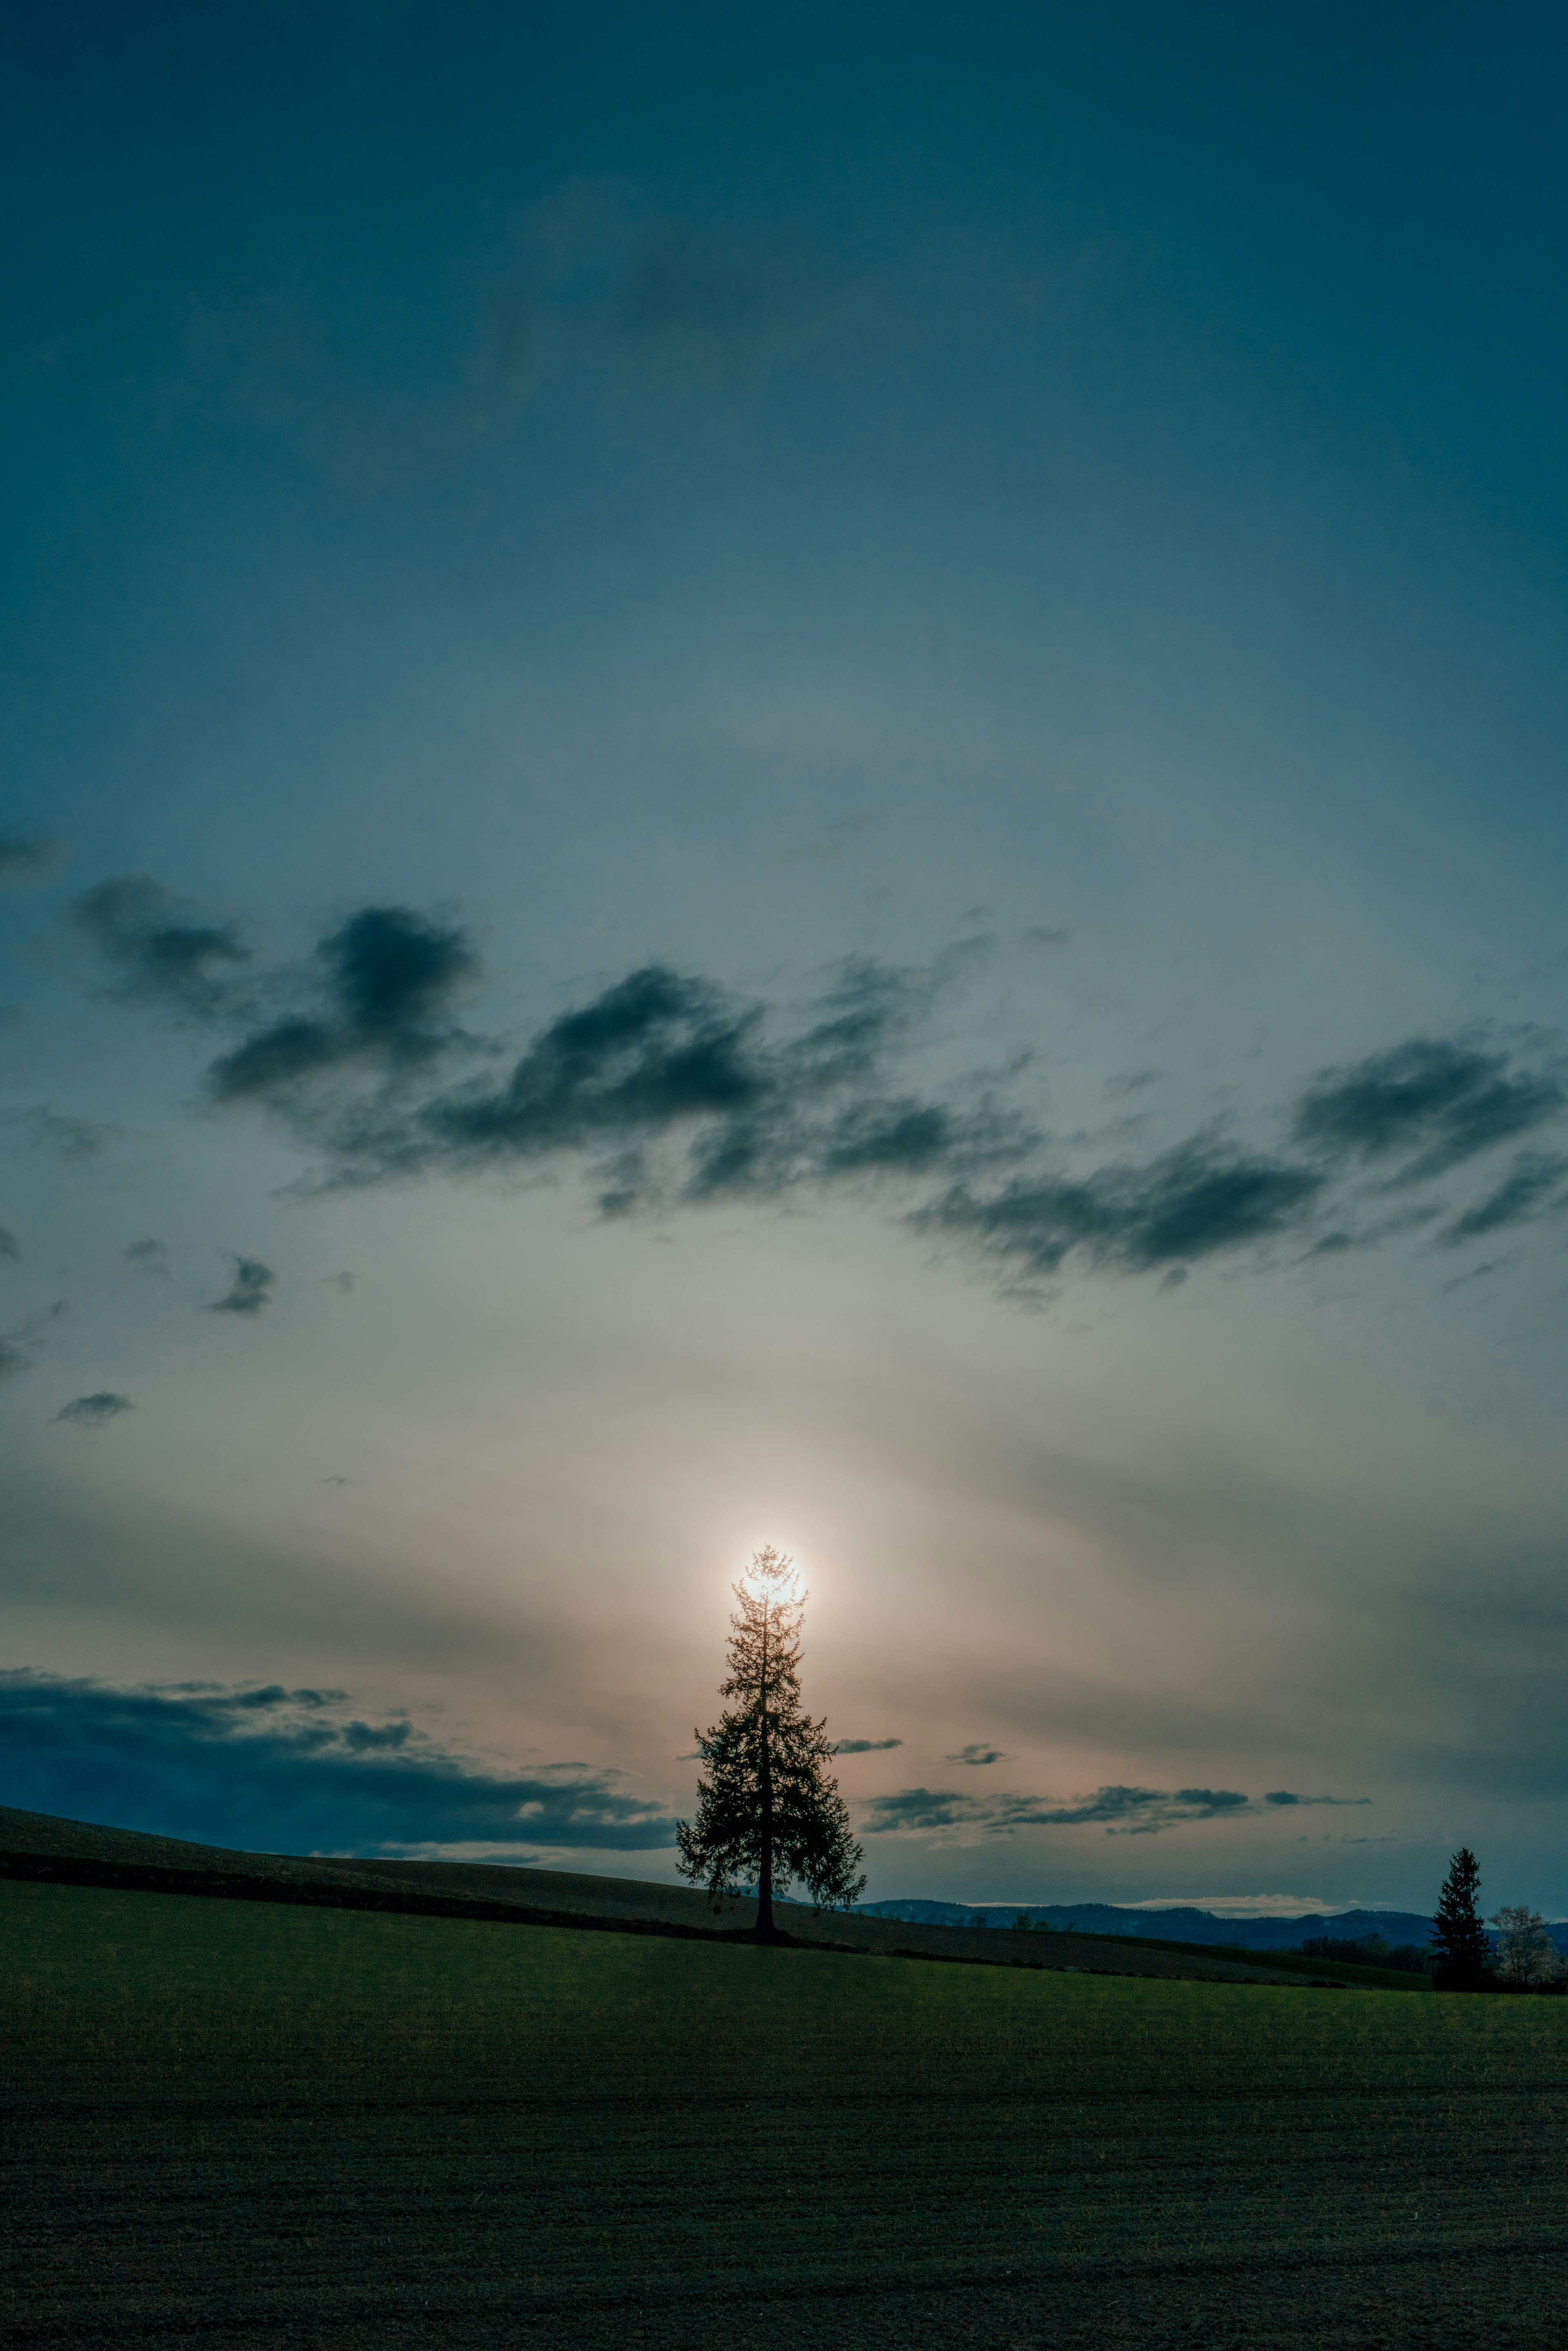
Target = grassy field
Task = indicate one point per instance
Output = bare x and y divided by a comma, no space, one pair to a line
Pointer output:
235,2123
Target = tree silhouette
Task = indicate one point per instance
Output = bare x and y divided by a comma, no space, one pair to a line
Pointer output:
1526,1953
1459,1936
767,1810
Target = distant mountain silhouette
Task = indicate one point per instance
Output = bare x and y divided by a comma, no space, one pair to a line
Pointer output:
1396,1926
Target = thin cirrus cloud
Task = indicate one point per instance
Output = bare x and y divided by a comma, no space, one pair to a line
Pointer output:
95,1411
66,1136
597,284
19,1344
1119,1810
26,858
286,1770
668,1087
1535,1179
161,951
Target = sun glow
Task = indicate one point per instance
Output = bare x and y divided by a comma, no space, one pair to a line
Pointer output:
771,1575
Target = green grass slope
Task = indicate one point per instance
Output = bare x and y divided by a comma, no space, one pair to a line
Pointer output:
38,1844
1344,1971
238,2122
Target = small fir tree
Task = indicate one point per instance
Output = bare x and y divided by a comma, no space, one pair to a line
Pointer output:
767,1810
1459,1936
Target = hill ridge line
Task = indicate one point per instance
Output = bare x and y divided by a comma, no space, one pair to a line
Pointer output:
42,1848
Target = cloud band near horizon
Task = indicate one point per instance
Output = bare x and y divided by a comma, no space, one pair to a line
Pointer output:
287,1771
1119,1810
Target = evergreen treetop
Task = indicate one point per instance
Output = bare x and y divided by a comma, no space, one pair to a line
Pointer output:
1459,1935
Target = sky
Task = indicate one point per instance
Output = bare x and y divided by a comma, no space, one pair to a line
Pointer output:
789,779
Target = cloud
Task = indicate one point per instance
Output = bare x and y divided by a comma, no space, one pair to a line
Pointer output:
28,858
149,1256
385,980
1441,1099
94,1411
1283,1796
1243,1906
1120,1812
1192,1202
710,300
161,948
978,1754
63,1136
281,1771
9,1245
864,1746
19,1344
250,1290
660,1051
668,1084
1524,1191
595,285
670,1088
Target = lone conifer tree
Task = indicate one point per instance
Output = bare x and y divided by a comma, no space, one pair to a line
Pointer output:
767,1808
1459,1936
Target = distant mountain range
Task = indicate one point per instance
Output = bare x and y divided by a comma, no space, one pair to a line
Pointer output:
1396,1926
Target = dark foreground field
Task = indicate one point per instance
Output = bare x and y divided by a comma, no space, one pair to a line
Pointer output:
235,2123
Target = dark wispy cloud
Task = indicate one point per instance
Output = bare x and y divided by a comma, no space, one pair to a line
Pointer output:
1193,1202
667,1087
978,1753
385,981
1120,1812
1431,1103
864,1745
9,1244
19,1344
250,1289
148,1256
1284,1796
282,1770
28,858
662,1056
161,948
95,1411
665,1083
1535,1182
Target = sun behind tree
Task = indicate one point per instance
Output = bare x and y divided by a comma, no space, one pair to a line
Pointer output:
768,1810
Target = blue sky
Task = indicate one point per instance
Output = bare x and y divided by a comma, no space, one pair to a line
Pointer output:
793,782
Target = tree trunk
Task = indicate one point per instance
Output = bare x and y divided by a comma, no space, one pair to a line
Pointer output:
765,1930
